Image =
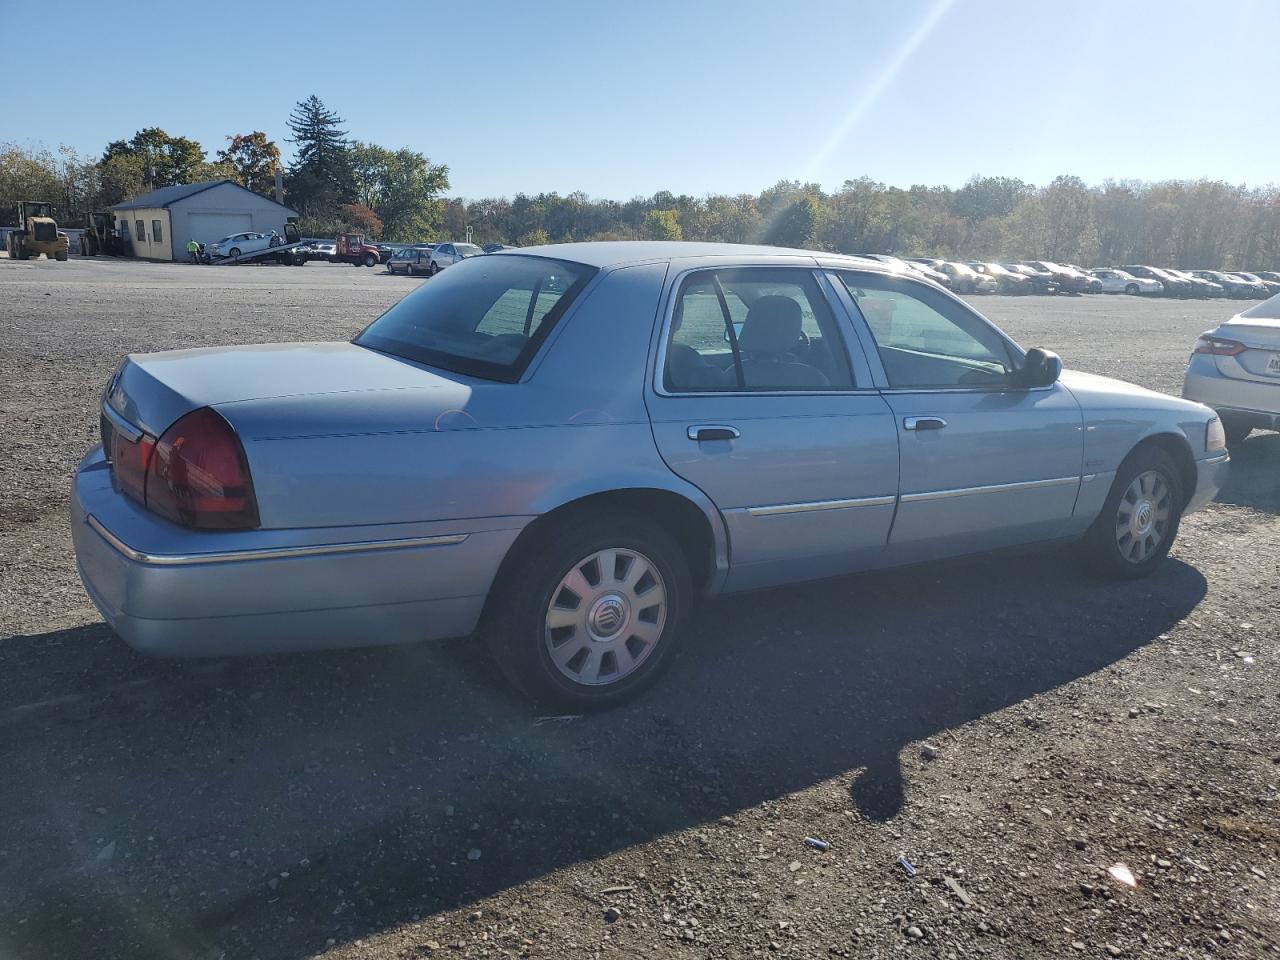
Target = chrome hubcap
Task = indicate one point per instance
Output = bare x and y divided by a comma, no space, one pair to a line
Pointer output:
606,616
1142,519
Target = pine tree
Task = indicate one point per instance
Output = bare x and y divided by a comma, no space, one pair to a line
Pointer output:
320,179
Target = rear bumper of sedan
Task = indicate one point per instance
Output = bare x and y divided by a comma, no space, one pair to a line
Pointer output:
172,592
1247,401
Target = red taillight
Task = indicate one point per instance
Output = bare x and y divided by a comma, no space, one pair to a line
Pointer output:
199,477
129,462
1219,348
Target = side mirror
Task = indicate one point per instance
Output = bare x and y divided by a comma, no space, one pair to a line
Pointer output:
1040,368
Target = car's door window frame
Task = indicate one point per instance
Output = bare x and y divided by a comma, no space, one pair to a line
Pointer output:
909,287
853,350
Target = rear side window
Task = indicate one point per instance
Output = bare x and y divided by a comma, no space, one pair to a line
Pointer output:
754,329
485,316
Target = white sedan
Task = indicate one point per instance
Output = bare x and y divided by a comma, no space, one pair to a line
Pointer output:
248,242
1118,281
1235,369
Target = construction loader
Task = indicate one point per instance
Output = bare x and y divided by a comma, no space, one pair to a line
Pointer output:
38,233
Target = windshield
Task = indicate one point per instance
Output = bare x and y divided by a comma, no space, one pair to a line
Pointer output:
483,317
467,249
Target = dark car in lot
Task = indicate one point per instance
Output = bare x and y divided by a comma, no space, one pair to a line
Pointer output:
1270,287
1067,278
410,261
1173,286
1042,280
1007,281
1201,287
1232,286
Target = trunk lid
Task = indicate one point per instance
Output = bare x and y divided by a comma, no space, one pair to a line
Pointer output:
1261,360
153,390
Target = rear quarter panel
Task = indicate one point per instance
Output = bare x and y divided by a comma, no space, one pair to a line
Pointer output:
576,425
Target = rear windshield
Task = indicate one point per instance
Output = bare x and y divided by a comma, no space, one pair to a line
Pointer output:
484,316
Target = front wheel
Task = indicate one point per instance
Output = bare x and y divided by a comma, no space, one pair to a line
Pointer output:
233,252
370,260
433,269
592,615
1139,521
1131,289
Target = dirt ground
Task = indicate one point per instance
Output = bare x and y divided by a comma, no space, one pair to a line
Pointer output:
1006,726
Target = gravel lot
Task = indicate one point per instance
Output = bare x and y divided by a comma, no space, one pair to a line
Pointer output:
399,803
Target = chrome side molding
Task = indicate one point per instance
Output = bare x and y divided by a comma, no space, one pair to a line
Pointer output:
267,553
811,505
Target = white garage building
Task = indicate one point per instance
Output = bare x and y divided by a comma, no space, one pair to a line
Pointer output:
159,223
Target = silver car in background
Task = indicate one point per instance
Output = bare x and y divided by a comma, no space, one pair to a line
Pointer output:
565,447
1235,369
447,254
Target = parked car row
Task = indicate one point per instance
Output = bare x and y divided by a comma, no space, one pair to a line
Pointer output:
1046,277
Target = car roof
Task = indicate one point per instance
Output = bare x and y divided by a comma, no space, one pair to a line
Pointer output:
607,254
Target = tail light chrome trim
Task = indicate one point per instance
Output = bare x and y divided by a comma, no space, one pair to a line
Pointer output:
120,424
267,553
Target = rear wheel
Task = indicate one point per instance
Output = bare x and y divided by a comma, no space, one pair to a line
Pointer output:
592,615
432,269
1131,289
1140,518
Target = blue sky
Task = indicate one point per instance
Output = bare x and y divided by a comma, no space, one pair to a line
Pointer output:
620,99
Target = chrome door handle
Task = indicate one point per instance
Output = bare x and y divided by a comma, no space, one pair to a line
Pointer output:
713,432
923,423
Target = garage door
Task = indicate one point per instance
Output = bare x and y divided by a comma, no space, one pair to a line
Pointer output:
209,227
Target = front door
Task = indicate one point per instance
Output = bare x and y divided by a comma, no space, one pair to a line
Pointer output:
759,402
984,463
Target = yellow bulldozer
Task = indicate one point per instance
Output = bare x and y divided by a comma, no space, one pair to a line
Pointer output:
38,233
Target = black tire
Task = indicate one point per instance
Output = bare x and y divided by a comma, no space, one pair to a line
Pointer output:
1104,549
516,631
1131,289
370,260
233,252
432,269
409,270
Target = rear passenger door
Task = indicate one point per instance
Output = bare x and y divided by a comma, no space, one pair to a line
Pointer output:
758,400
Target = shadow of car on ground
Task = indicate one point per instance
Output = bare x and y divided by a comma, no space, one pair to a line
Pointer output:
369,776
1254,480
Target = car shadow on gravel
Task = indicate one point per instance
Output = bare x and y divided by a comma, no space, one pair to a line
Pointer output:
1254,480
263,806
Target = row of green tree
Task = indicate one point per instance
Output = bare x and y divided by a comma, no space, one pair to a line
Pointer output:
1201,223
337,183
334,182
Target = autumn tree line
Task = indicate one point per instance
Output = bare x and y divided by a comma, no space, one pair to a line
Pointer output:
338,183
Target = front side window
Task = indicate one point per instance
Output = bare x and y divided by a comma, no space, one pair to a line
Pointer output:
753,329
486,318
927,340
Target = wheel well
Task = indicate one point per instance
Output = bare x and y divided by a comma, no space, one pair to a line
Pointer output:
1180,452
679,516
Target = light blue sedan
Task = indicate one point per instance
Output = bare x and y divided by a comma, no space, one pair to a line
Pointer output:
563,448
